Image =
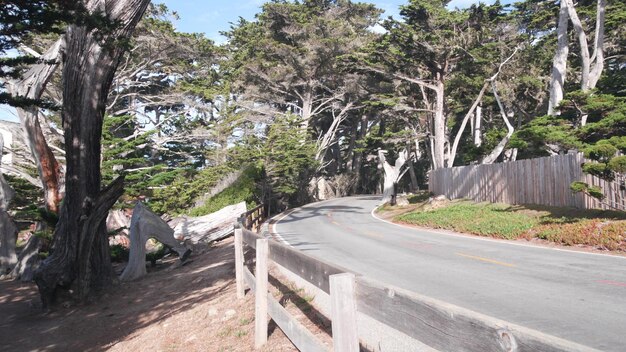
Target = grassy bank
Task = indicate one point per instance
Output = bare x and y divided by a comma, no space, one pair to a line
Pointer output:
596,228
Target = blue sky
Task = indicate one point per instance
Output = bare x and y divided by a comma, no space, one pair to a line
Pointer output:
211,17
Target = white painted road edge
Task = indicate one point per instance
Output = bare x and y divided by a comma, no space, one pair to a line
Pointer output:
477,238
281,216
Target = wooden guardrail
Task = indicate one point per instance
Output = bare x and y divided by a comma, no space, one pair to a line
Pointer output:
253,218
435,323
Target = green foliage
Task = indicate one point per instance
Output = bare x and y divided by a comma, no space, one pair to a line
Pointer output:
243,190
26,201
600,152
119,253
618,164
582,187
187,186
289,159
122,151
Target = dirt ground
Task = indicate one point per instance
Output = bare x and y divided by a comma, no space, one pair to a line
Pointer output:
188,308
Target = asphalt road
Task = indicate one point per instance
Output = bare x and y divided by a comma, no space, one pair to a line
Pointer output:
573,295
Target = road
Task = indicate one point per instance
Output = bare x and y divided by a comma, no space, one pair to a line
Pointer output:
577,296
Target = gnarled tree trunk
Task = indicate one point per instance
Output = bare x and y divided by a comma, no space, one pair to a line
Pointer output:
392,173
80,257
144,225
559,63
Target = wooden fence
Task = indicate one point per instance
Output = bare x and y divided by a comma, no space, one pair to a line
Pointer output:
435,323
544,181
253,218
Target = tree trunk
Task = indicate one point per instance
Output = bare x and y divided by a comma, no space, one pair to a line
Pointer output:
495,153
559,63
589,76
28,260
358,157
439,125
478,133
79,256
582,42
8,229
31,86
350,152
598,55
414,185
392,173
144,225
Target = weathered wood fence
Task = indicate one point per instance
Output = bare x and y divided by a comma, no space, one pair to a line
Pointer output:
253,218
544,181
438,324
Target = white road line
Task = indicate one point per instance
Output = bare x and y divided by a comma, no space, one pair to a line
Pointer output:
286,213
471,237
274,231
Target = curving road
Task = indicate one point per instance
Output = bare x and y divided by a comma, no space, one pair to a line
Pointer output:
573,295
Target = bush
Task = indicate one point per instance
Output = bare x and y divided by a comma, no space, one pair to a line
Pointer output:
119,253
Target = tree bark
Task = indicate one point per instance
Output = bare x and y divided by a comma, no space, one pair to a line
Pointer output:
8,229
392,173
358,157
28,260
582,42
598,55
478,133
559,63
589,76
495,153
31,86
79,257
439,126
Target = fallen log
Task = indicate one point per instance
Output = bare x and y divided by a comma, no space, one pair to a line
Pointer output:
209,228
144,225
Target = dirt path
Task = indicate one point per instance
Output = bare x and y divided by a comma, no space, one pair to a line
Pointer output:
189,308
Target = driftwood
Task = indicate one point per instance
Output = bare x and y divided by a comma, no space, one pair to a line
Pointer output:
144,225
210,227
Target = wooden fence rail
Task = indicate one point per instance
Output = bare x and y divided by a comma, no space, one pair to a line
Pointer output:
543,181
435,323
253,218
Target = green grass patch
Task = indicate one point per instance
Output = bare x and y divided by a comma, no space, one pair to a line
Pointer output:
493,220
597,228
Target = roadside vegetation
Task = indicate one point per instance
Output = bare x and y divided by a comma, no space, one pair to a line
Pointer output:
599,229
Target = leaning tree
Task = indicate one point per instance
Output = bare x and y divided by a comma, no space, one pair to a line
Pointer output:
80,258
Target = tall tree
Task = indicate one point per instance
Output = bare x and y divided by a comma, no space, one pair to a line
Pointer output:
80,257
289,61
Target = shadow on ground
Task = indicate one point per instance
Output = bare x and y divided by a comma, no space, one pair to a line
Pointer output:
120,312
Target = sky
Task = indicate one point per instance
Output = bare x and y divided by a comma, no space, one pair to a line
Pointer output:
212,16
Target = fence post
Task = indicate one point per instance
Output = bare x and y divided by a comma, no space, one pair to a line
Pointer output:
260,309
343,313
239,260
